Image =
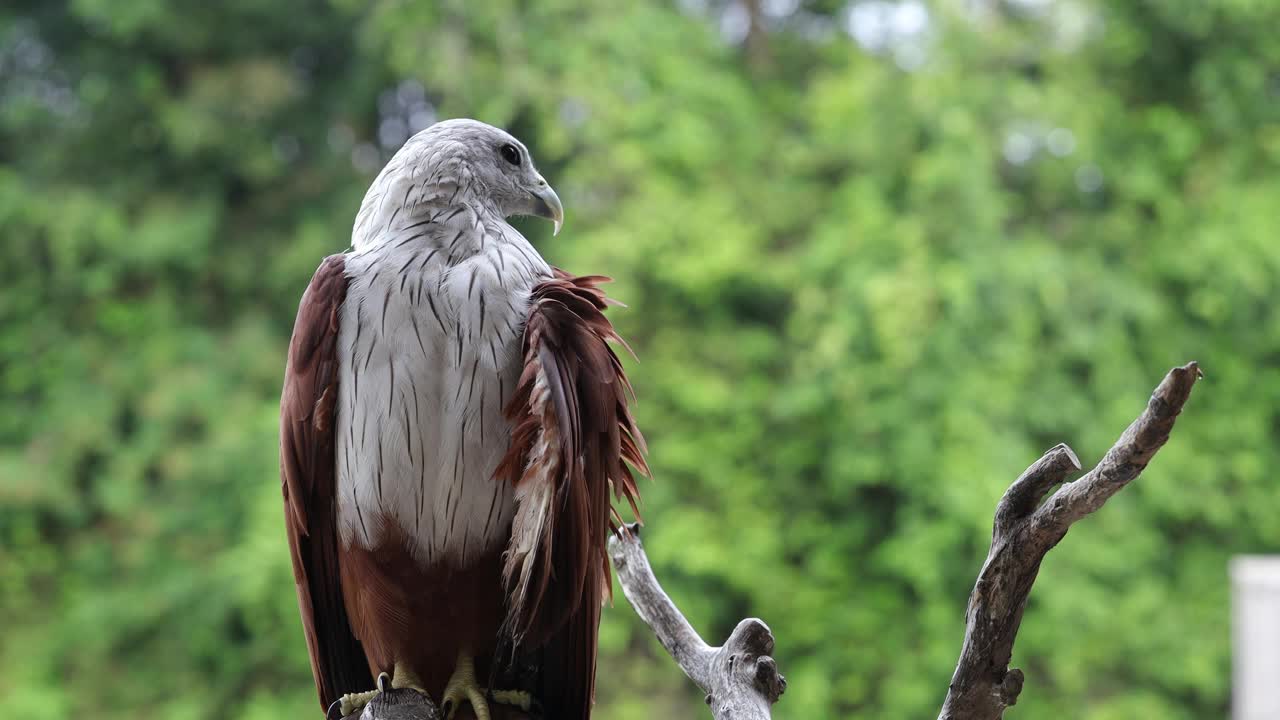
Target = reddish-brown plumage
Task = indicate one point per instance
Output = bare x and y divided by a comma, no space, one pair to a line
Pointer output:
566,342
364,610
307,474
421,616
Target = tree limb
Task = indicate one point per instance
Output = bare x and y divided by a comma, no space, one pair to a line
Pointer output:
1025,529
740,677
401,704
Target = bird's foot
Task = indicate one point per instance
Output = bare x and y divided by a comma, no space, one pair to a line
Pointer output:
352,703
514,698
463,686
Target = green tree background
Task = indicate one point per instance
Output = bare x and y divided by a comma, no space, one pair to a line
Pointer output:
879,254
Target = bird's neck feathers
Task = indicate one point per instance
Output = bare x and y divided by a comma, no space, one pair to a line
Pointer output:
416,191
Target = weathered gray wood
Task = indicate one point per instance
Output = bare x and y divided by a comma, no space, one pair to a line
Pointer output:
1025,529
740,678
406,704
402,704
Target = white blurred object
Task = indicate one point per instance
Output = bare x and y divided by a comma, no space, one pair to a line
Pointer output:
1255,637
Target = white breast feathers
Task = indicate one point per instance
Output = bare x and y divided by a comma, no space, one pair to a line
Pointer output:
429,346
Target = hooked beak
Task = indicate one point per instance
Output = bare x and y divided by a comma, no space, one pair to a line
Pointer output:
546,204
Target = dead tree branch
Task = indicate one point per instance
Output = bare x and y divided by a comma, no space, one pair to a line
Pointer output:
740,677
1025,529
402,704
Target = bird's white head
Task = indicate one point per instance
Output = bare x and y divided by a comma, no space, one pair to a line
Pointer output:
467,162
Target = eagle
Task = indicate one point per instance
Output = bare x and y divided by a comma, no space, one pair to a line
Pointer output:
454,427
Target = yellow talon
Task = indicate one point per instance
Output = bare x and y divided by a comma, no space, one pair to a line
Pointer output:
352,703
405,678
515,698
463,686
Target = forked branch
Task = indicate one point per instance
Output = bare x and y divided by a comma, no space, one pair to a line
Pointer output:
740,678
1026,528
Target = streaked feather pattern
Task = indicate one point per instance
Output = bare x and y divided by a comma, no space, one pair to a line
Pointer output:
307,474
452,424
574,440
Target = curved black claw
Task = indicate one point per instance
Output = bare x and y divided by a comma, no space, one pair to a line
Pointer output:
384,682
334,712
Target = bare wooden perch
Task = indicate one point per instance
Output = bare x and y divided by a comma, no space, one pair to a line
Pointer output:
402,704
741,679
1025,529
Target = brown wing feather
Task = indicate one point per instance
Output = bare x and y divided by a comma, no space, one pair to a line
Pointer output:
307,471
574,434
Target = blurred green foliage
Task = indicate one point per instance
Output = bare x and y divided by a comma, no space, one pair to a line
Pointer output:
878,255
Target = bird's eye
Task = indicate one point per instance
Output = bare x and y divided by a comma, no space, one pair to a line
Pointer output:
510,154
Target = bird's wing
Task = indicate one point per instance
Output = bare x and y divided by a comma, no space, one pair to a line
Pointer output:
572,441
307,474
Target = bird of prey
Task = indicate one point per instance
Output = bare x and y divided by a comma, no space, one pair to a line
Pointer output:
453,423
